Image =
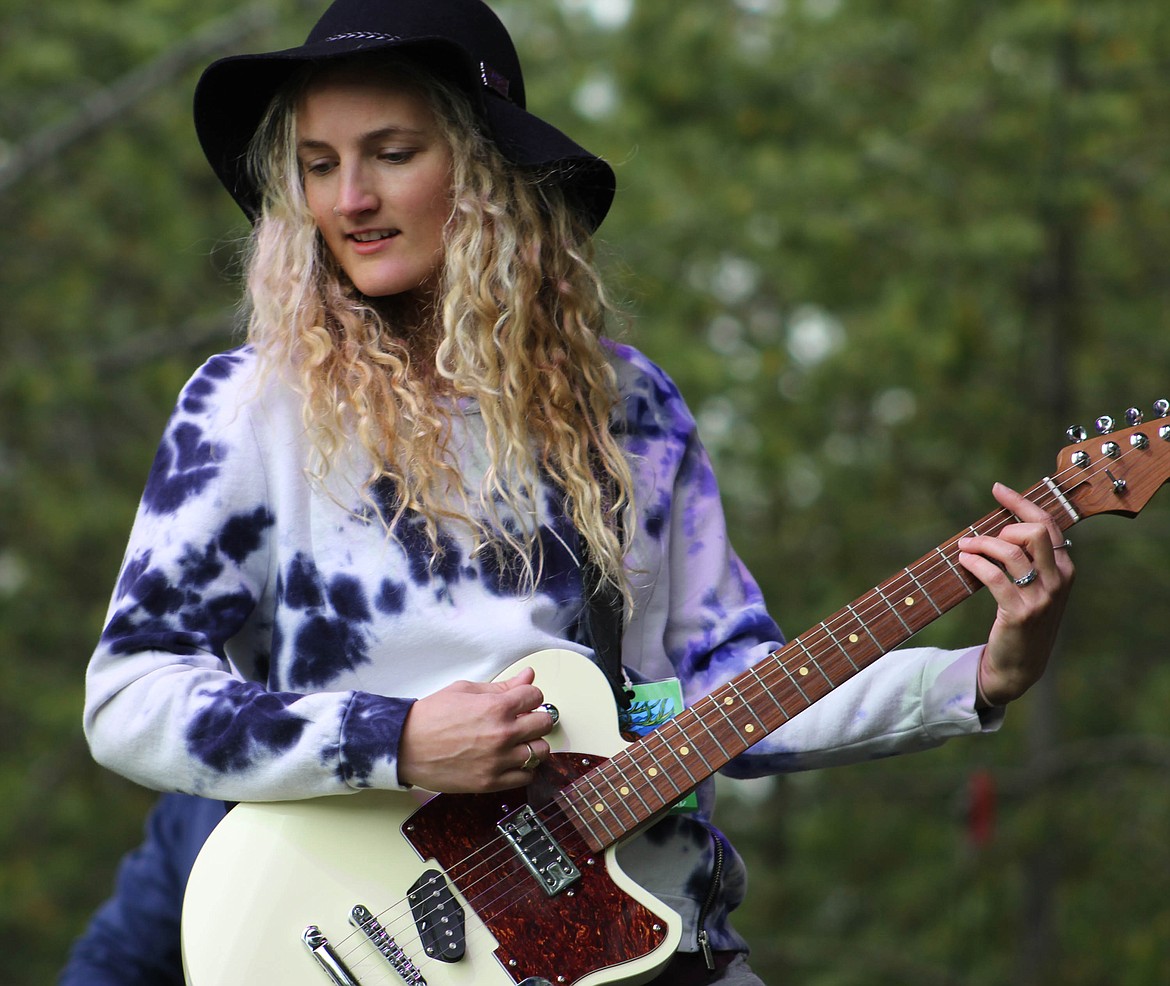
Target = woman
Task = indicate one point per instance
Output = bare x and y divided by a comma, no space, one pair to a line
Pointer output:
428,463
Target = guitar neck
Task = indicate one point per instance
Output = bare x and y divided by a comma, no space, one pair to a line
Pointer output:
653,773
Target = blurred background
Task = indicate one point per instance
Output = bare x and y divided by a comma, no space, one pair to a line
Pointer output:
889,249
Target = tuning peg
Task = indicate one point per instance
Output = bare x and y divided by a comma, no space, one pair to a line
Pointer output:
1104,424
1133,416
1076,433
1161,408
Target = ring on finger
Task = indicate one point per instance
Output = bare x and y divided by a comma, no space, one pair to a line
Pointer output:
533,760
1026,579
1067,544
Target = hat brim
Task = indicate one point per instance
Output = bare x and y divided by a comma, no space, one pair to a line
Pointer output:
234,94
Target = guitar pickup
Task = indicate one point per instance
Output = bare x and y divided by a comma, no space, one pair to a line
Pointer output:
438,917
539,851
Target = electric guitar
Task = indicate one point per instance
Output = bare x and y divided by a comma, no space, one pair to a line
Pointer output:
522,886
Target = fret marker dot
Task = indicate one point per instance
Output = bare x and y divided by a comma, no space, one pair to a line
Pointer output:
749,728
909,600
804,670
624,791
653,772
853,638
599,808
684,750
729,701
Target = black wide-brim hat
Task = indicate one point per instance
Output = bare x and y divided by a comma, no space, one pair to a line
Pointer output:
461,40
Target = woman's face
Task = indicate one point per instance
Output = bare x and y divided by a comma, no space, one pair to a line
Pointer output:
377,177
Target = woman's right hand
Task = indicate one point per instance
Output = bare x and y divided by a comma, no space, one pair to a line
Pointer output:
475,737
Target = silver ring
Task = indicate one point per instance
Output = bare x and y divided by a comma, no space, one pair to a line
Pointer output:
1067,544
533,760
1027,579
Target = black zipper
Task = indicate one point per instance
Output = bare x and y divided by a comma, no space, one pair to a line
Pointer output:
712,892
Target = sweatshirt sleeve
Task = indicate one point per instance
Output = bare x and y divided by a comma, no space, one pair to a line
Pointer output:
178,696
709,618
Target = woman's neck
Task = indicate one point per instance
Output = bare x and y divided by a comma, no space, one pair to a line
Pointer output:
413,323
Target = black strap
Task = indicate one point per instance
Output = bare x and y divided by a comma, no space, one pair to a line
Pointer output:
603,624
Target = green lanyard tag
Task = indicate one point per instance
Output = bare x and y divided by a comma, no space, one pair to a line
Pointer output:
654,703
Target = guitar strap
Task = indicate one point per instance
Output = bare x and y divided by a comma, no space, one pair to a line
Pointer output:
603,622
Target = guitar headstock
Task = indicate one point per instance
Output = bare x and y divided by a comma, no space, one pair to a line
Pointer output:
1116,471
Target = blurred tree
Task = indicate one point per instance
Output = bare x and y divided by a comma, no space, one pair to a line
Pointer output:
888,249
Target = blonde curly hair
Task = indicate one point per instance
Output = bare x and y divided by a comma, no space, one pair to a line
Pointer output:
516,329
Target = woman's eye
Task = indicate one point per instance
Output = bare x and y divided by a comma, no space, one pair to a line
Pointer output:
396,157
316,167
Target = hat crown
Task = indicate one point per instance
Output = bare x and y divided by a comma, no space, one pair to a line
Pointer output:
468,25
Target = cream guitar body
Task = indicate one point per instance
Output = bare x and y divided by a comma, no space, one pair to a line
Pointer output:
269,872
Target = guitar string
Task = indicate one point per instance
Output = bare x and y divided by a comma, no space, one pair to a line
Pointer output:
783,671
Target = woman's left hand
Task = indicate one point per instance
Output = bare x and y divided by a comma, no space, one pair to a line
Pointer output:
1028,570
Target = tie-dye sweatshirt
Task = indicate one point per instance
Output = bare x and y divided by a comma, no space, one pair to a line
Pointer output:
266,638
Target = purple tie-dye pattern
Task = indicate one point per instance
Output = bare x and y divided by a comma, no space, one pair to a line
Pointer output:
243,727
183,467
372,725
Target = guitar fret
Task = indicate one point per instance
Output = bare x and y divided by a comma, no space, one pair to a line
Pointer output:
749,728
655,773
755,673
728,701
630,787
652,778
680,752
893,609
795,684
701,720
864,626
814,662
620,791
922,589
954,571
840,646
567,799
592,815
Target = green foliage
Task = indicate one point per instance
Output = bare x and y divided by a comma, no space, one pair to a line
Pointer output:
888,249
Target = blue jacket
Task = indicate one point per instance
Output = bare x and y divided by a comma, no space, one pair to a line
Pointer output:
133,938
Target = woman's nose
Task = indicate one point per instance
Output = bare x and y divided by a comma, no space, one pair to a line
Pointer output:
355,194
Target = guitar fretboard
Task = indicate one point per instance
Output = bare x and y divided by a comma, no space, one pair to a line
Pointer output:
653,773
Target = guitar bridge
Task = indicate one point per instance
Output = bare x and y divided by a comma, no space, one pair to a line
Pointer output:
363,919
538,850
